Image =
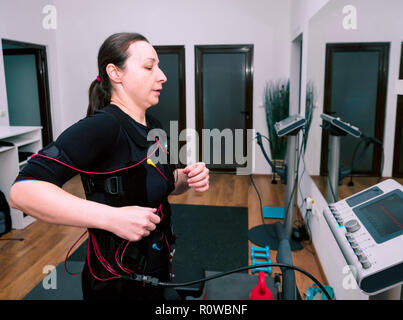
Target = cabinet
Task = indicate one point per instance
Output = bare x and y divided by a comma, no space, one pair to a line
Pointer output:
13,158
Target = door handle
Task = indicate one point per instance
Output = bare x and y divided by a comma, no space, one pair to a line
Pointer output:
246,113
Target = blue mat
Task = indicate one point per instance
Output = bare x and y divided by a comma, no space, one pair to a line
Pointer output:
273,212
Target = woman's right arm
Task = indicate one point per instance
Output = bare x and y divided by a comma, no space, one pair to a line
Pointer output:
50,203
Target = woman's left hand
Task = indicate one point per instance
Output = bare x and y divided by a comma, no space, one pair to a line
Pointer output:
198,176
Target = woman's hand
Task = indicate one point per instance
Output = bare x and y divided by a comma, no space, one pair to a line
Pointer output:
133,223
198,176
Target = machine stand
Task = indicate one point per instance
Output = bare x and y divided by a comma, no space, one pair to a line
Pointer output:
269,234
333,169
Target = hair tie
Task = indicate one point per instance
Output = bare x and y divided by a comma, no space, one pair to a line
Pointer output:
99,79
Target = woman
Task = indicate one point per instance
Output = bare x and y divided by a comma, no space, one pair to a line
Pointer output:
126,209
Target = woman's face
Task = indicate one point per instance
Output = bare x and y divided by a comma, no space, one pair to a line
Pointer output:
142,79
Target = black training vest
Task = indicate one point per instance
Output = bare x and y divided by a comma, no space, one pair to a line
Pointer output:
128,188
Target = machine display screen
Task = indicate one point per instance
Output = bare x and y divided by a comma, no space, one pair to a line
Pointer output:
364,196
383,216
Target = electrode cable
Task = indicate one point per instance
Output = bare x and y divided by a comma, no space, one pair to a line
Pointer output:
225,273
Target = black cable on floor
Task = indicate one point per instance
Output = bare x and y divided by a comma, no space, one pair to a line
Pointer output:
222,274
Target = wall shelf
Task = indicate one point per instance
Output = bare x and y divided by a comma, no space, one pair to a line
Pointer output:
25,139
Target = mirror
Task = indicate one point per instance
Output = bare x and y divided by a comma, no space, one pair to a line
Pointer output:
353,61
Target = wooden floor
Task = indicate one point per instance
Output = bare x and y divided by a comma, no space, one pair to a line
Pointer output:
22,262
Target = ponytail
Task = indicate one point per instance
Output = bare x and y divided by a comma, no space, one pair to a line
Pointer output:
98,97
113,50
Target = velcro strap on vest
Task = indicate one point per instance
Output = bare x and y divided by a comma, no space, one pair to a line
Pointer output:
111,185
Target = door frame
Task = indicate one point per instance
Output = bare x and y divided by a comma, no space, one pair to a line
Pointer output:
399,123
180,51
247,49
43,82
383,48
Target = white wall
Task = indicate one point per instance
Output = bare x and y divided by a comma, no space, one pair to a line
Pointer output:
84,25
22,21
301,12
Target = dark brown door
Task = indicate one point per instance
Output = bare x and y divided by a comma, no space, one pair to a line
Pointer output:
224,97
27,86
398,150
355,90
171,109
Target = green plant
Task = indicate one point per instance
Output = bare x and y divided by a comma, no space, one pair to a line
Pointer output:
277,100
309,109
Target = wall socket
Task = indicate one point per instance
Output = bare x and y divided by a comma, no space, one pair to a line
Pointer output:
3,113
309,203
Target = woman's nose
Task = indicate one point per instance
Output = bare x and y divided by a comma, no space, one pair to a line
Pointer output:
161,76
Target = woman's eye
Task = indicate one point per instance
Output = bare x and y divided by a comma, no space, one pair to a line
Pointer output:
149,68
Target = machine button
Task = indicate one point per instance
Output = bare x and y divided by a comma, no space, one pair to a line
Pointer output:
352,226
349,237
361,256
355,246
365,263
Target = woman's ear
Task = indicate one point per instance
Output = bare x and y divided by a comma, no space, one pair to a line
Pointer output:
114,73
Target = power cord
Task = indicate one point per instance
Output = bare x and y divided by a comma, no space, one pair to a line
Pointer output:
351,183
277,285
156,282
273,181
303,161
296,177
258,194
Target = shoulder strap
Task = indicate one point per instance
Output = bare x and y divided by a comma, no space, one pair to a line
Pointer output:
125,122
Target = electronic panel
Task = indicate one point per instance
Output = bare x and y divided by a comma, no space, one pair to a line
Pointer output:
342,125
368,228
289,125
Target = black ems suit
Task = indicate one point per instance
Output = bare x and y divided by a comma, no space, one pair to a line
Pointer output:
108,141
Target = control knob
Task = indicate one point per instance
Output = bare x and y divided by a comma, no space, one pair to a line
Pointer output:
352,226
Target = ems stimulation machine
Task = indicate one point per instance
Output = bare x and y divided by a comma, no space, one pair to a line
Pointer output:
270,234
368,228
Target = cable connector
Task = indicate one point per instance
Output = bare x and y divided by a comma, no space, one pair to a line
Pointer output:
277,285
146,279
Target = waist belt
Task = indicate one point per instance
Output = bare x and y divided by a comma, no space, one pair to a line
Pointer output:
114,185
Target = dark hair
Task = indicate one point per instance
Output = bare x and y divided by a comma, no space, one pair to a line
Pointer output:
113,50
